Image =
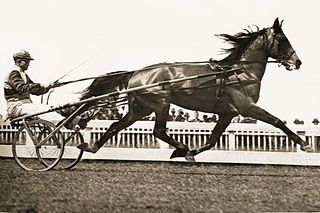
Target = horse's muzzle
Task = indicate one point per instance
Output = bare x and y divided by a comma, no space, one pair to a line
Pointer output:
298,64
290,65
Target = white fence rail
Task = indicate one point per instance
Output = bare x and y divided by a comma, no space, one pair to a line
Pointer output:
238,136
251,139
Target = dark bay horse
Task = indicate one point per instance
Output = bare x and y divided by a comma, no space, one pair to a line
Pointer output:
227,95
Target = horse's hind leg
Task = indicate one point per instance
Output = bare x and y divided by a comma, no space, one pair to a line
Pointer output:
136,111
161,109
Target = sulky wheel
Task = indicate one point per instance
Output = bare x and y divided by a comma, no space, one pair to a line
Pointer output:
72,155
31,153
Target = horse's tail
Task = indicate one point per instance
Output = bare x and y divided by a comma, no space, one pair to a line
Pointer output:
103,85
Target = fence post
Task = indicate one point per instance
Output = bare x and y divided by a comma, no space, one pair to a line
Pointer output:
232,139
302,135
315,142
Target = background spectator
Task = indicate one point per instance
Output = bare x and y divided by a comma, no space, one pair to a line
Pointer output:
298,122
249,120
214,118
115,114
180,116
172,116
315,121
196,117
186,117
205,118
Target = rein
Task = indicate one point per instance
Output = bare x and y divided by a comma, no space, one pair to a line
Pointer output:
58,84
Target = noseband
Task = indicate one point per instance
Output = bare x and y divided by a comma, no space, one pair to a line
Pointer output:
274,53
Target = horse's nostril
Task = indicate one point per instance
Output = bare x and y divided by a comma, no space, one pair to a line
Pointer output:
298,63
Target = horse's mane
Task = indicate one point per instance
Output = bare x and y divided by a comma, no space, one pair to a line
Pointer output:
239,42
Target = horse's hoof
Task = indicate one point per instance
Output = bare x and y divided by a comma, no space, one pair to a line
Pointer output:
85,147
190,157
179,153
307,148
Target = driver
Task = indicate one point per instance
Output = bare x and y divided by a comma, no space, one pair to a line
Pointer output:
18,87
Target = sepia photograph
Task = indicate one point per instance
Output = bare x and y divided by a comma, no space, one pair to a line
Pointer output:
159,106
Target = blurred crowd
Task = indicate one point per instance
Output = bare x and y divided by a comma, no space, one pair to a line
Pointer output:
108,114
174,115
181,116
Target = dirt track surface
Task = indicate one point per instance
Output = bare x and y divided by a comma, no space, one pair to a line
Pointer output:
107,186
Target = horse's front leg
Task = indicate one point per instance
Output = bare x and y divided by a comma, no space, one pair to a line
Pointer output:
262,115
223,123
246,107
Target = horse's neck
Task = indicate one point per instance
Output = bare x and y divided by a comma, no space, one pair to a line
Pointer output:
257,59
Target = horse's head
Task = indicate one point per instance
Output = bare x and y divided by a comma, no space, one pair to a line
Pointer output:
280,48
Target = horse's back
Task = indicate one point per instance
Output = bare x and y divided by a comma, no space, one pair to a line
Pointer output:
170,71
191,94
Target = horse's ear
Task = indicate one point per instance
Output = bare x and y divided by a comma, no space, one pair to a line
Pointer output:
277,25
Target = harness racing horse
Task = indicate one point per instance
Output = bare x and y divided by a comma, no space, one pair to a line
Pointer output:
228,94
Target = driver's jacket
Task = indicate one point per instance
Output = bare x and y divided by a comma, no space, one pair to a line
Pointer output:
18,86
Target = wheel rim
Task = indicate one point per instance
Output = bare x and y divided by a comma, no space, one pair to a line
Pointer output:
72,155
32,157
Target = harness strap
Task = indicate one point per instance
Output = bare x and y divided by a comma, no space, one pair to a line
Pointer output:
223,84
211,60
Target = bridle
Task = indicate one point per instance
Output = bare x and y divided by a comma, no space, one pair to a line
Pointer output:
273,50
